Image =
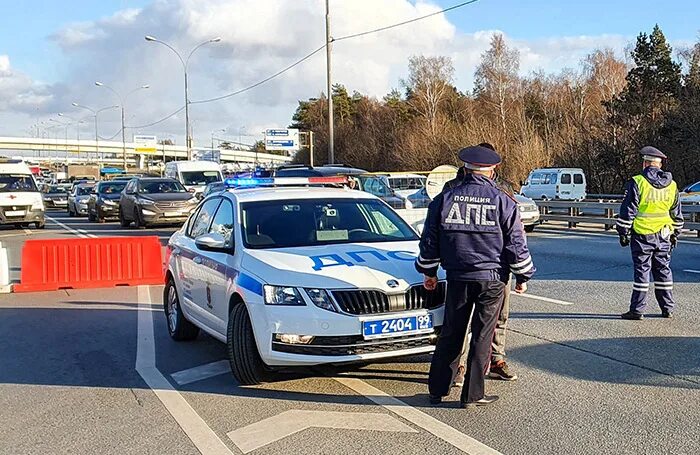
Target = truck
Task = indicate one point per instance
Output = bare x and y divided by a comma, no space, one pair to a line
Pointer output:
83,172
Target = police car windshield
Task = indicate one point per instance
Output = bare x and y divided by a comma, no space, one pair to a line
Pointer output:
20,182
309,222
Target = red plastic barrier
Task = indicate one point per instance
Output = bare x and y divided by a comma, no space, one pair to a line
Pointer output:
53,264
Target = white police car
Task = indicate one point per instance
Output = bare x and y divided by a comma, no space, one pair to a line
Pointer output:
292,276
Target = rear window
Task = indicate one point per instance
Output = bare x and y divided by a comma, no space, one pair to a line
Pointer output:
17,182
566,179
578,179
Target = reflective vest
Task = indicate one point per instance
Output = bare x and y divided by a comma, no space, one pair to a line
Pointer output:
654,207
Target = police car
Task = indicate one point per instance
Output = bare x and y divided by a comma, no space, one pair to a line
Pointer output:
288,273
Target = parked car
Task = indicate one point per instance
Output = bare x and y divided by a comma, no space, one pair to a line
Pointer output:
410,187
146,201
56,196
104,200
373,184
691,194
529,212
78,199
555,183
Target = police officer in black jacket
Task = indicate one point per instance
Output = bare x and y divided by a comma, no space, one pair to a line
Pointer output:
474,232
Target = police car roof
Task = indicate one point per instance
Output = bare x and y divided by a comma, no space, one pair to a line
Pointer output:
280,193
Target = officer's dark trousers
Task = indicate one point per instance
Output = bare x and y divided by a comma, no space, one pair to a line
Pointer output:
651,255
485,298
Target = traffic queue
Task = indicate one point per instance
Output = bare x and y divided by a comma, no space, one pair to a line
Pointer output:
306,266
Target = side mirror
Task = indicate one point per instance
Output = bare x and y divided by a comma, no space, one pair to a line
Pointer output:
199,196
212,241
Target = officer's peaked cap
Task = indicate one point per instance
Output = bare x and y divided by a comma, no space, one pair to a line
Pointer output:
652,154
479,158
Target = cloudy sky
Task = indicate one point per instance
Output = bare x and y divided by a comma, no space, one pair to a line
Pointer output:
54,50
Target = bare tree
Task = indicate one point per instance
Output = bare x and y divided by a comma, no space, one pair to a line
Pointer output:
428,84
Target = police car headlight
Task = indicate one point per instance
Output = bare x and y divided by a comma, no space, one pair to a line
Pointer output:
280,295
321,299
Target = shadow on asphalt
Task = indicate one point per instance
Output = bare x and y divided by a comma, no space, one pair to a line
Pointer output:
650,361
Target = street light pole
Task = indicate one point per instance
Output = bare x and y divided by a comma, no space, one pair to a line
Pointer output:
329,40
121,103
185,63
212,136
98,156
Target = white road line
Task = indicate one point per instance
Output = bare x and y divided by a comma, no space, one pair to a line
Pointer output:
84,234
548,231
203,437
543,299
201,372
27,231
691,271
419,418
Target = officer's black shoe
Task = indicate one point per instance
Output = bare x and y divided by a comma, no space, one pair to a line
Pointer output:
666,314
632,316
435,399
488,399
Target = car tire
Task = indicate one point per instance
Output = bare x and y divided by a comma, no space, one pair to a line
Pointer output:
179,328
530,228
70,212
138,222
123,222
40,224
91,218
246,364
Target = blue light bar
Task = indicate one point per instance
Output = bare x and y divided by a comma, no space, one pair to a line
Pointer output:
241,182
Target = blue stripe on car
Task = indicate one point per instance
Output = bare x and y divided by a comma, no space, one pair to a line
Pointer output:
249,283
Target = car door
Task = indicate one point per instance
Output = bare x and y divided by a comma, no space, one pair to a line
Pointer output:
566,186
219,266
579,186
126,202
193,263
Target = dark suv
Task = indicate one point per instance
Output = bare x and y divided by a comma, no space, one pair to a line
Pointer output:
104,200
146,201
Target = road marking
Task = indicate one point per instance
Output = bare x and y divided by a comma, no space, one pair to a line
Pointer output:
84,234
201,372
420,419
543,299
27,231
203,437
611,236
273,429
691,271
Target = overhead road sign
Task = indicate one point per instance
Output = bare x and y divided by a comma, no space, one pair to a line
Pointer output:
285,139
145,144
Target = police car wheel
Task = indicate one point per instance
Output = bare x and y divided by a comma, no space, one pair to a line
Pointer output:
244,358
179,328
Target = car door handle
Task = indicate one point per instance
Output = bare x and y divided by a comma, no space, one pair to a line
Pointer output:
197,260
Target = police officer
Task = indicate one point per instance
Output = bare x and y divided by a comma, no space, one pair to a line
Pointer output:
650,221
474,231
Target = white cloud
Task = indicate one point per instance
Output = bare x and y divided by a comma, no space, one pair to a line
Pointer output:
258,39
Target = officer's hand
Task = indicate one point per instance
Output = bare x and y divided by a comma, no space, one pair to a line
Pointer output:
674,241
624,240
520,288
429,282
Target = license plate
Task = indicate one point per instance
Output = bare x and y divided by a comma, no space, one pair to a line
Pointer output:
173,214
397,326
14,213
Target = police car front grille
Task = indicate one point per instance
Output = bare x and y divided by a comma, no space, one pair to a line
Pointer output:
356,345
360,302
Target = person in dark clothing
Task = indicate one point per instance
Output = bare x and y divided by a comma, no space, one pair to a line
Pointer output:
650,221
474,232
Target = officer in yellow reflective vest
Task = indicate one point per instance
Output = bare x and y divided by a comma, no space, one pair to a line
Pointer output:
650,221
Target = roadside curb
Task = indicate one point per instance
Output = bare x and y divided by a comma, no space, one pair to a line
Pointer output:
6,289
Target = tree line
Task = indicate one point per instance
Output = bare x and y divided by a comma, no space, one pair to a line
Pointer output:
595,117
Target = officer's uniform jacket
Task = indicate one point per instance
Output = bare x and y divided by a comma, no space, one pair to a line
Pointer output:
651,204
474,231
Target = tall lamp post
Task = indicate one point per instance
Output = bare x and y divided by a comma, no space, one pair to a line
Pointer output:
94,113
223,130
121,104
185,62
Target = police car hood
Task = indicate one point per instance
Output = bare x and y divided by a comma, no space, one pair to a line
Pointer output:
657,177
384,266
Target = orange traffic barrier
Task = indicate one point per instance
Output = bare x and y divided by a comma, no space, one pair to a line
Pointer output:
53,264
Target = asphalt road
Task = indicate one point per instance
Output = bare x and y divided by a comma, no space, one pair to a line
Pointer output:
78,371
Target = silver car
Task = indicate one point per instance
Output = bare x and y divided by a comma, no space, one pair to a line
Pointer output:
78,199
529,212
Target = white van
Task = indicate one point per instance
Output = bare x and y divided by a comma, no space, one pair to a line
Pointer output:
20,200
555,183
194,175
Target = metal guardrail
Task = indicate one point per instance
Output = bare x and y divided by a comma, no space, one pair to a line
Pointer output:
576,213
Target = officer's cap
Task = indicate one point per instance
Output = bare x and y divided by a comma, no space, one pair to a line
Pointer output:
479,158
652,154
